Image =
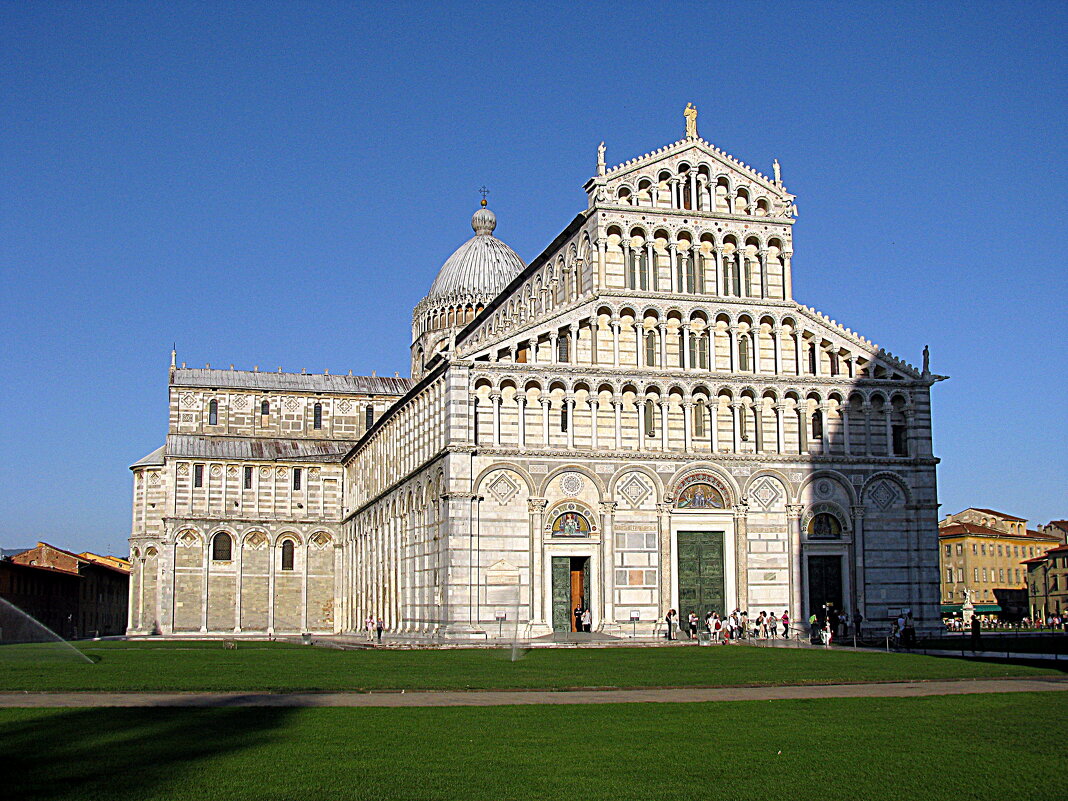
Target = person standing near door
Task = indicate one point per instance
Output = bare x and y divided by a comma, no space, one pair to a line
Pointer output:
578,617
587,620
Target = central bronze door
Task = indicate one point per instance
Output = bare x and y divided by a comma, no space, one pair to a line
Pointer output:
700,569
571,590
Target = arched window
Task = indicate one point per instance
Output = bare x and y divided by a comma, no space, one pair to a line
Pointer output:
650,418
563,418
817,424
632,268
222,547
563,347
812,359
650,349
317,416
901,442
699,412
265,408
699,274
213,413
834,362
743,353
287,555
703,352
824,526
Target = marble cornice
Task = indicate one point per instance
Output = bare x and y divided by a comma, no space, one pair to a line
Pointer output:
603,454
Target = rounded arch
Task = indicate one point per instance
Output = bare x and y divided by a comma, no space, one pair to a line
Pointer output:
649,473
694,473
840,479
574,468
894,478
528,480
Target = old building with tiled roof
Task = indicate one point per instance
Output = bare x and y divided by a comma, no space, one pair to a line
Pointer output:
982,558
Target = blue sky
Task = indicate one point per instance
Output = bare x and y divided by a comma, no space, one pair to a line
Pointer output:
278,183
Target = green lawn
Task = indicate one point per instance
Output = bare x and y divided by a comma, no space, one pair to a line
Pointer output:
281,667
943,747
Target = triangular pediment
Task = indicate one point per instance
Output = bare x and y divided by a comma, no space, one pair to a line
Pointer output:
697,151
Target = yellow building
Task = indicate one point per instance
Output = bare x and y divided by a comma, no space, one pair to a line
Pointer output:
982,551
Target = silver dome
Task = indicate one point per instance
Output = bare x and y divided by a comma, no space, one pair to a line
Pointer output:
479,269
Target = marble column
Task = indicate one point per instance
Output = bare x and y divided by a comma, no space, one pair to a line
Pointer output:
608,561
594,406
780,433
496,398
665,567
793,515
521,400
665,407
860,580
736,429
617,410
540,614
741,554
687,424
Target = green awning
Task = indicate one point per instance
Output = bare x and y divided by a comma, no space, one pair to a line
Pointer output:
981,609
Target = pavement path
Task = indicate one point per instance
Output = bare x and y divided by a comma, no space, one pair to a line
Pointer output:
905,689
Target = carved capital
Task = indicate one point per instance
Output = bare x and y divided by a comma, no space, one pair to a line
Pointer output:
608,507
535,505
858,511
795,510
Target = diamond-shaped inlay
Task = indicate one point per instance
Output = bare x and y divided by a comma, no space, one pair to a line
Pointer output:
884,495
767,493
635,490
503,488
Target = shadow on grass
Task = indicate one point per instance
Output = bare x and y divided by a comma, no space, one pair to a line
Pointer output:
136,753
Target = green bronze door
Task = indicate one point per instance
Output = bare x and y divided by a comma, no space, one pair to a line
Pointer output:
700,565
561,593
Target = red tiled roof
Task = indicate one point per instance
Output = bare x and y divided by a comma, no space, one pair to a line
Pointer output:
956,529
960,529
1000,514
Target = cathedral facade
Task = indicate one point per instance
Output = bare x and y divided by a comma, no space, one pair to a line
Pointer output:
640,419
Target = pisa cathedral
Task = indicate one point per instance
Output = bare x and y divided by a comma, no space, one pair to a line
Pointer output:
641,418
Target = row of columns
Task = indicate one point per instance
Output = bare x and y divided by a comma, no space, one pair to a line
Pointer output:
703,338
702,195
730,277
739,424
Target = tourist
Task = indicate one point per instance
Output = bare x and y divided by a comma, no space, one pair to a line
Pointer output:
762,624
773,625
785,624
379,625
587,620
693,626
670,620
813,629
578,617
